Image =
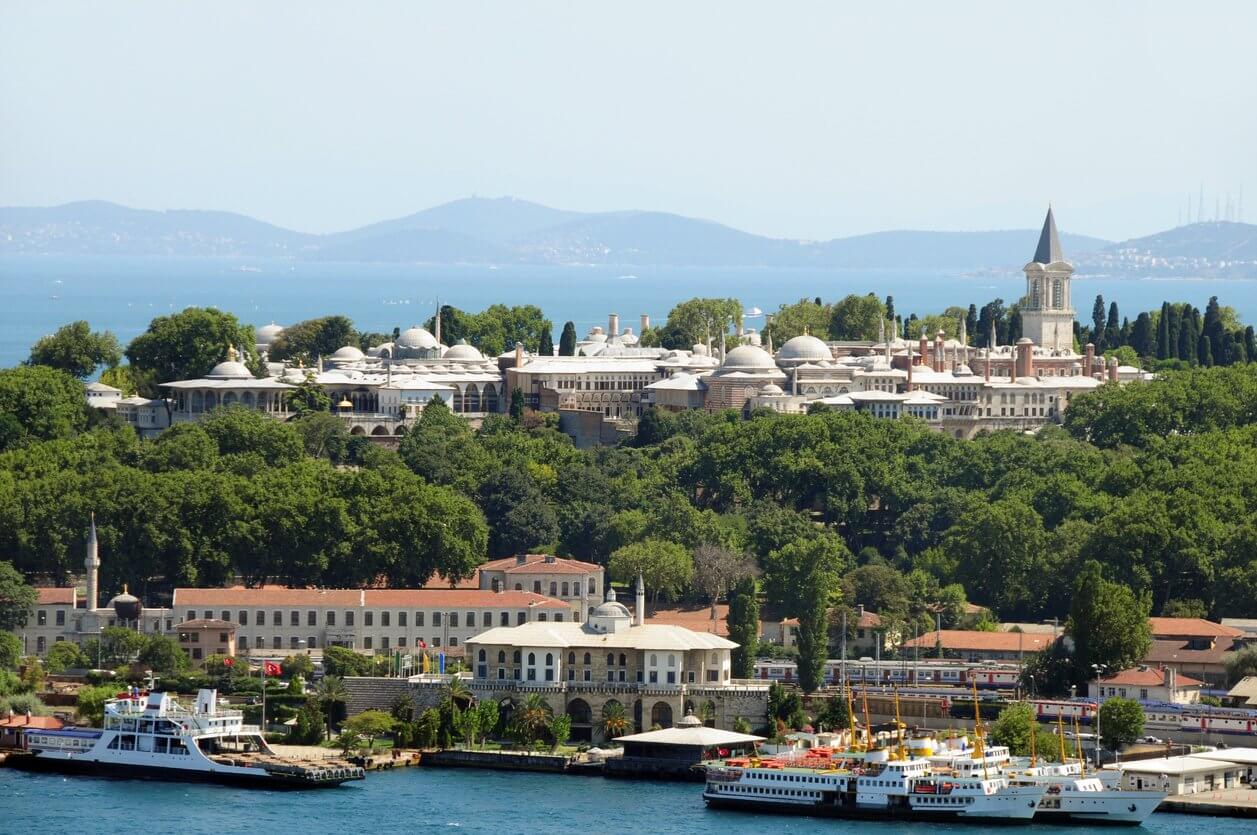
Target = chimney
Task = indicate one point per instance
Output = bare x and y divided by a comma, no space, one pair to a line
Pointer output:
859,611
519,355
641,601
909,387
550,559
92,564
1024,362
923,347
497,586
986,365
521,559
1112,369
940,353
613,325
1090,363
644,323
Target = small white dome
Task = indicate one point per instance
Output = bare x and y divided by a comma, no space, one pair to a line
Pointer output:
349,352
463,351
748,358
771,390
805,347
230,370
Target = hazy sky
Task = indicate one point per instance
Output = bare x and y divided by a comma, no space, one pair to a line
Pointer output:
801,120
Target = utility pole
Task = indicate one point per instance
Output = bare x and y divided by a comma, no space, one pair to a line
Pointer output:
842,669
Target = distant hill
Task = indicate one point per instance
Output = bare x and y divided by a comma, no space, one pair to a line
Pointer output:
511,231
96,227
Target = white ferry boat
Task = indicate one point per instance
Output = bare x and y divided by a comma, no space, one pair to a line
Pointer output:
905,788
152,736
1075,797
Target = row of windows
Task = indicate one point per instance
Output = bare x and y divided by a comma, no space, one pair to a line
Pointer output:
41,617
368,642
451,619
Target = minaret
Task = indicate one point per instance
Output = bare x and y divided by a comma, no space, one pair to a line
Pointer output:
437,327
768,326
641,601
92,564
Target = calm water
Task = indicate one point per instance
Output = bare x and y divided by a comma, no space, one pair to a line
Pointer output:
37,294
423,800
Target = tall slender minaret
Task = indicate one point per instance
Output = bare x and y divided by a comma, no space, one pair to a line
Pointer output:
92,564
641,601
437,326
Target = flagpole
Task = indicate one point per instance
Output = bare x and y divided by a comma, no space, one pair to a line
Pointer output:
263,698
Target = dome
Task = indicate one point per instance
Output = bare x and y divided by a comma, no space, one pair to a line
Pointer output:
266,334
126,606
230,370
689,720
748,358
610,609
463,351
771,390
417,338
805,347
349,352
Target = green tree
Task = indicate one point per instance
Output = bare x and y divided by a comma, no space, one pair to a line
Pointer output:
743,622
91,703
297,664
46,402
10,651
33,674
309,727
804,316
1014,727
560,730
818,592
533,717
64,655
545,346
308,397
1184,609
615,721
162,654
517,404
741,725
695,321
716,570
999,548
17,599
1108,623
332,696
567,340
369,724
76,349
187,345
665,566
1241,664
314,338
857,317
323,435
1121,722
834,714
241,431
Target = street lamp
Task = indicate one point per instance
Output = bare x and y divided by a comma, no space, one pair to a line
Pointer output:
1099,669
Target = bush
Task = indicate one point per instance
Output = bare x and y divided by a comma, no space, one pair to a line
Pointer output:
10,650
91,703
63,655
21,703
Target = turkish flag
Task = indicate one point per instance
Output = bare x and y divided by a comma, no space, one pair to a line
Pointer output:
270,668
423,644
229,662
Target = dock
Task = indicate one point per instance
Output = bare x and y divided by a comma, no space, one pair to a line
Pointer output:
1228,803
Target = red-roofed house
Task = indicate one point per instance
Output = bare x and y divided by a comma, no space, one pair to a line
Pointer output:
1149,684
975,645
14,727
580,584
1194,647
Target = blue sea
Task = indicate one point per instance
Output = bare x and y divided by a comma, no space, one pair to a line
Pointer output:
431,800
40,293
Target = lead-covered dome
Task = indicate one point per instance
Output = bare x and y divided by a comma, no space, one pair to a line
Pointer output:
463,351
418,338
267,334
804,348
748,358
230,370
349,353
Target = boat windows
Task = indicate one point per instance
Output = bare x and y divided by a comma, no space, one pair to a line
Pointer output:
161,745
177,747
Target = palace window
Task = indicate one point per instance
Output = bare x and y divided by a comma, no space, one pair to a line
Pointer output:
366,643
312,618
277,618
384,618
536,586
331,618
521,618
436,618
294,618
260,619
244,618
554,588
368,619
401,618
565,590
418,618
276,642
504,619
453,620
488,619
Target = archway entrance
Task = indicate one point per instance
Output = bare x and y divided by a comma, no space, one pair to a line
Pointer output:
582,720
661,715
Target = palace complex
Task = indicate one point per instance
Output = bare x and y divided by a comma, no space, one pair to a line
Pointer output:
603,388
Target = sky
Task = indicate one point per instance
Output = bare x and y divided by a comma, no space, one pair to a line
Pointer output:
801,120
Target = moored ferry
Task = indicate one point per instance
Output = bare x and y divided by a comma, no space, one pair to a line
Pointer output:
905,788
1072,796
150,735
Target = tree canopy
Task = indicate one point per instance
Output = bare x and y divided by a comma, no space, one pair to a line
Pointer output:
76,349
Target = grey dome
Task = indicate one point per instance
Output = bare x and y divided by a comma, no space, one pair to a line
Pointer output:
417,337
349,352
805,347
463,351
230,370
266,334
748,358
611,609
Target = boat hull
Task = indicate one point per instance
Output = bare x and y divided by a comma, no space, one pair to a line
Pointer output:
717,801
95,768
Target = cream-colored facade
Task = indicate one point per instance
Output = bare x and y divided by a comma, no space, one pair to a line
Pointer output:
579,584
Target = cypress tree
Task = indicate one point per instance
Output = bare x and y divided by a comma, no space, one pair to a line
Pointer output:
743,620
890,307
1097,324
546,345
517,403
1164,347
1141,338
1014,325
1187,337
1213,329
1250,345
1204,351
567,340
1112,330
971,322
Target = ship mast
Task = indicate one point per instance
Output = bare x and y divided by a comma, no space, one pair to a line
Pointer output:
898,724
977,726
850,715
1060,735
868,728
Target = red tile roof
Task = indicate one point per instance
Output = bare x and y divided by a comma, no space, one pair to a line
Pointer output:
1177,652
21,720
536,564
1191,628
695,619
50,596
370,598
1149,677
440,581
978,641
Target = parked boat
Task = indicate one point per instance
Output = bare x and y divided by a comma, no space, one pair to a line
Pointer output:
150,735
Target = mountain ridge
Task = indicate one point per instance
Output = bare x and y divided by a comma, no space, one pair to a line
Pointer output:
510,230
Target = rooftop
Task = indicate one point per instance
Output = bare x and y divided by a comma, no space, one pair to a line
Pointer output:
362,598
537,563
1149,677
1174,765
51,596
563,634
1191,628
694,736
976,640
